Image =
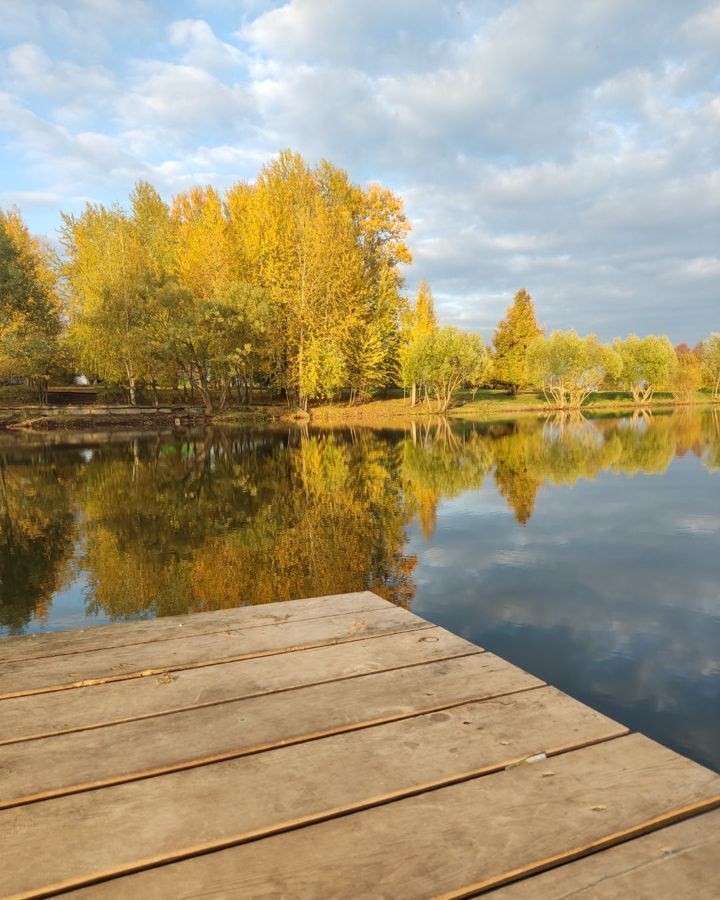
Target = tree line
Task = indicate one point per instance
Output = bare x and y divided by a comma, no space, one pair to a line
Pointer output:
294,283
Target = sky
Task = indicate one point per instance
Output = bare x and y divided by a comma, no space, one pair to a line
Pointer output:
571,148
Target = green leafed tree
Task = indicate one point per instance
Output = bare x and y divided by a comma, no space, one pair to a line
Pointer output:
570,367
444,360
512,339
647,364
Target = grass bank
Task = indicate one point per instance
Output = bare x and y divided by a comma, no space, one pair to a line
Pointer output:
488,404
483,406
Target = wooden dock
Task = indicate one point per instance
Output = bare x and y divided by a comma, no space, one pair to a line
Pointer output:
334,747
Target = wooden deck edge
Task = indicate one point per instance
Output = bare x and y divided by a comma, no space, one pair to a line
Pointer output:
258,748
163,670
619,837
295,687
307,821
178,637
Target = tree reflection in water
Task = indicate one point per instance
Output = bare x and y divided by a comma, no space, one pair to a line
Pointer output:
166,525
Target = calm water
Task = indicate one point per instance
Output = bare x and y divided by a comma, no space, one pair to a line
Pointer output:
587,552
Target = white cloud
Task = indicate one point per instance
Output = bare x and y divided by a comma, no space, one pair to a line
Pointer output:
167,102
78,91
570,148
202,47
26,199
89,27
386,35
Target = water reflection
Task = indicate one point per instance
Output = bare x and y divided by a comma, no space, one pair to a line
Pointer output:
585,551
162,526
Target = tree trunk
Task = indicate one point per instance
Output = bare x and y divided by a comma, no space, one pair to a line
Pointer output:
204,389
223,394
413,395
206,399
131,384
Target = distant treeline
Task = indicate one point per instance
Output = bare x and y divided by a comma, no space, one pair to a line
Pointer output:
292,283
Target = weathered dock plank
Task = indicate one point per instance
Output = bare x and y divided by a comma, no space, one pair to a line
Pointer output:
54,765
675,863
22,718
337,747
75,670
452,842
122,634
130,824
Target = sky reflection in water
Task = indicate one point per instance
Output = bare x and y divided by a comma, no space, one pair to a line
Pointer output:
586,552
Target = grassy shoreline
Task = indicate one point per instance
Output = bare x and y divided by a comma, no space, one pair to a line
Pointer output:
488,404
485,406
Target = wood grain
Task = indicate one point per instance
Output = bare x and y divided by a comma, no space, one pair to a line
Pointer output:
673,863
122,634
75,838
466,837
114,753
22,718
23,678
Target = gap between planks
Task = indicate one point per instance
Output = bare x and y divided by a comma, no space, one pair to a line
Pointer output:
605,843
163,670
283,690
315,819
578,849
257,748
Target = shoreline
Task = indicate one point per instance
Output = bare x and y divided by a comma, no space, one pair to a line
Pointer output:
36,419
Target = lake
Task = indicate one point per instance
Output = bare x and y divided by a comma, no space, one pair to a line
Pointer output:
585,551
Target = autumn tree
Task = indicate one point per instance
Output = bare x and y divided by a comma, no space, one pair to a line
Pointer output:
512,339
204,263
688,375
30,308
711,364
647,364
374,325
328,255
421,322
109,294
483,371
570,367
